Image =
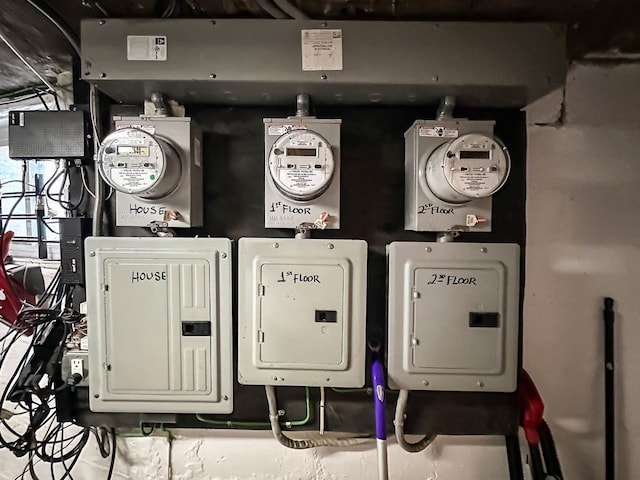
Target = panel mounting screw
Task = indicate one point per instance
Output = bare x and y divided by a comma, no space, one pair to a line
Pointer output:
483,250
481,384
330,246
323,77
425,383
274,378
435,78
103,75
102,22
428,249
96,395
92,254
212,75
281,413
323,24
276,245
224,255
224,397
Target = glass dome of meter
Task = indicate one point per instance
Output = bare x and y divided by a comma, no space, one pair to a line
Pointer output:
135,162
301,164
469,167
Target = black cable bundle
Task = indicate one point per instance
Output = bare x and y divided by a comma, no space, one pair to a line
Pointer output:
34,381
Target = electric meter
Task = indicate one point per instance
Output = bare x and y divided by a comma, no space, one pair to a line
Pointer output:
469,167
302,172
138,163
452,168
301,164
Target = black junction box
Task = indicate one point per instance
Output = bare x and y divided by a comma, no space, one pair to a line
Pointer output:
73,231
49,135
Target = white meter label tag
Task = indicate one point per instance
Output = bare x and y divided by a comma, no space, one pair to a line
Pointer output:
282,129
146,48
134,178
151,129
438,132
321,49
301,180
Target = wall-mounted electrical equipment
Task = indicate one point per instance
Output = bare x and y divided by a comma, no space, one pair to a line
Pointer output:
452,167
159,315
302,309
155,166
73,231
49,135
453,316
302,171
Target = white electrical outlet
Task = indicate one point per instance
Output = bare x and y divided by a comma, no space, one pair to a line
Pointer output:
77,366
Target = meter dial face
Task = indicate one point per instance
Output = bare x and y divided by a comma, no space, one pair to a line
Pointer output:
469,167
301,164
135,162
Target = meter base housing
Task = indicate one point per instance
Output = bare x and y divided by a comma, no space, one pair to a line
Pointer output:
281,211
424,211
186,137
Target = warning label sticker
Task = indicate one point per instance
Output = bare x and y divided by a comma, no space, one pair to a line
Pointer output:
436,131
321,49
146,48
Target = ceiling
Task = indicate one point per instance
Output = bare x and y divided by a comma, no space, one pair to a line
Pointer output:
611,27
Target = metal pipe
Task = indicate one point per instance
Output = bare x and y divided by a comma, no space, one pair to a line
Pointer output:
159,103
98,202
302,105
609,390
272,10
290,9
445,110
444,237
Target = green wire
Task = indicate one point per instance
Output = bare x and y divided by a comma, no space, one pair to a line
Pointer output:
237,424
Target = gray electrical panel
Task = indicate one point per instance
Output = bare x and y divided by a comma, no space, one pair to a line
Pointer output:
233,61
159,321
302,172
453,316
452,167
137,174
302,312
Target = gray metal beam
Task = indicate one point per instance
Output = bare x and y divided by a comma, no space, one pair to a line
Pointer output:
259,62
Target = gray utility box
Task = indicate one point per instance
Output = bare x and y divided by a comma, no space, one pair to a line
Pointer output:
186,200
423,210
302,172
159,320
302,312
453,316
267,62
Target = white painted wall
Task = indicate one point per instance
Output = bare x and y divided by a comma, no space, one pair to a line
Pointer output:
583,244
